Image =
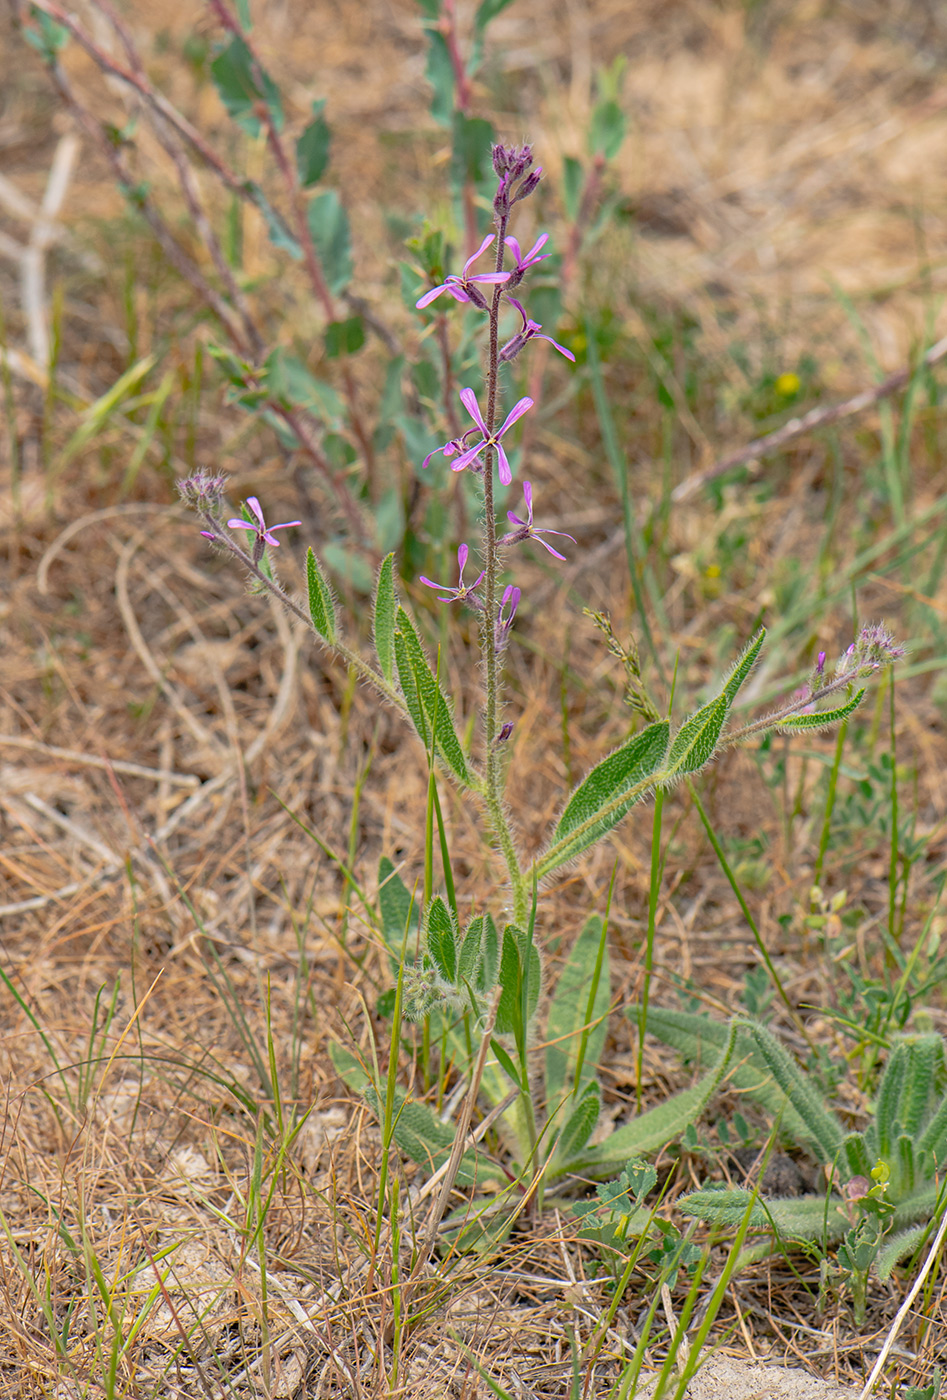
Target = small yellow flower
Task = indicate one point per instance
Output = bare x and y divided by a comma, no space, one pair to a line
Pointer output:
788,384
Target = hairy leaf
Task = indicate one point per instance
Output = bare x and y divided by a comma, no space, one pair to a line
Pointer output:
566,1027
520,969
628,768
695,743
659,1126
425,699
824,718
386,604
825,1131
442,938
321,607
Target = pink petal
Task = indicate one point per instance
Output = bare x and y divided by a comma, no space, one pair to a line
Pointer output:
480,251
515,412
469,400
506,475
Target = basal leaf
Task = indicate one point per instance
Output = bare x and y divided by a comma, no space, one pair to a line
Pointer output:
569,1013
580,1125
520,971
442,938
658,1126
824,1129
422,1136
399,912
386,604
321,607
796,1218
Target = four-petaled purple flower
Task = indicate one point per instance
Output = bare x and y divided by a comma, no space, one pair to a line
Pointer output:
526,530
469,400
462,590
530,331
461,288
263,532
529,259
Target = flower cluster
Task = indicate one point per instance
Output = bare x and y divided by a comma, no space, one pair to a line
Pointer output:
483,443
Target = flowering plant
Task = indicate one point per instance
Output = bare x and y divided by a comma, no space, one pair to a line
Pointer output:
473,985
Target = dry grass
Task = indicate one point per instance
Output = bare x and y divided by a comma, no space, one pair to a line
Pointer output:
163,735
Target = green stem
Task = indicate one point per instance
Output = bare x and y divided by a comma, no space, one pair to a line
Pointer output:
653,892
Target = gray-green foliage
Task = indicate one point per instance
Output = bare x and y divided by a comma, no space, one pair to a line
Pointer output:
452,982
903,1148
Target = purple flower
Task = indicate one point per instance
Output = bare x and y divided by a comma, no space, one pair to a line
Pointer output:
462,590
469,400
262,532
505,615
461,288
531,258
530,331
526,530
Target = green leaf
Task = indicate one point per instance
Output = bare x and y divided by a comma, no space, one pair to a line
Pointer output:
573,179
520,968
312,148
424,698
607,129
321,607
293,384
470,957
329,226
399,912
386,603
276,226
488,10
626,768
242,84
440,74
580,1125
568,1013
659,1126
344,337
825,1131
796,1218
855,1156
442,938
471,150
743,667
695,743
348,1068
823,718
898,1247
422,1136
50,39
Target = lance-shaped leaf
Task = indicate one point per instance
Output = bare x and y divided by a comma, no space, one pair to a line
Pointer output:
571,1024
580,1125
423,1137
520,972
824,1130
822,719
659,1126
424,698
386,605
442,938
592,810
479,960
321,607
795,1217
399,912
743,667
695,743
